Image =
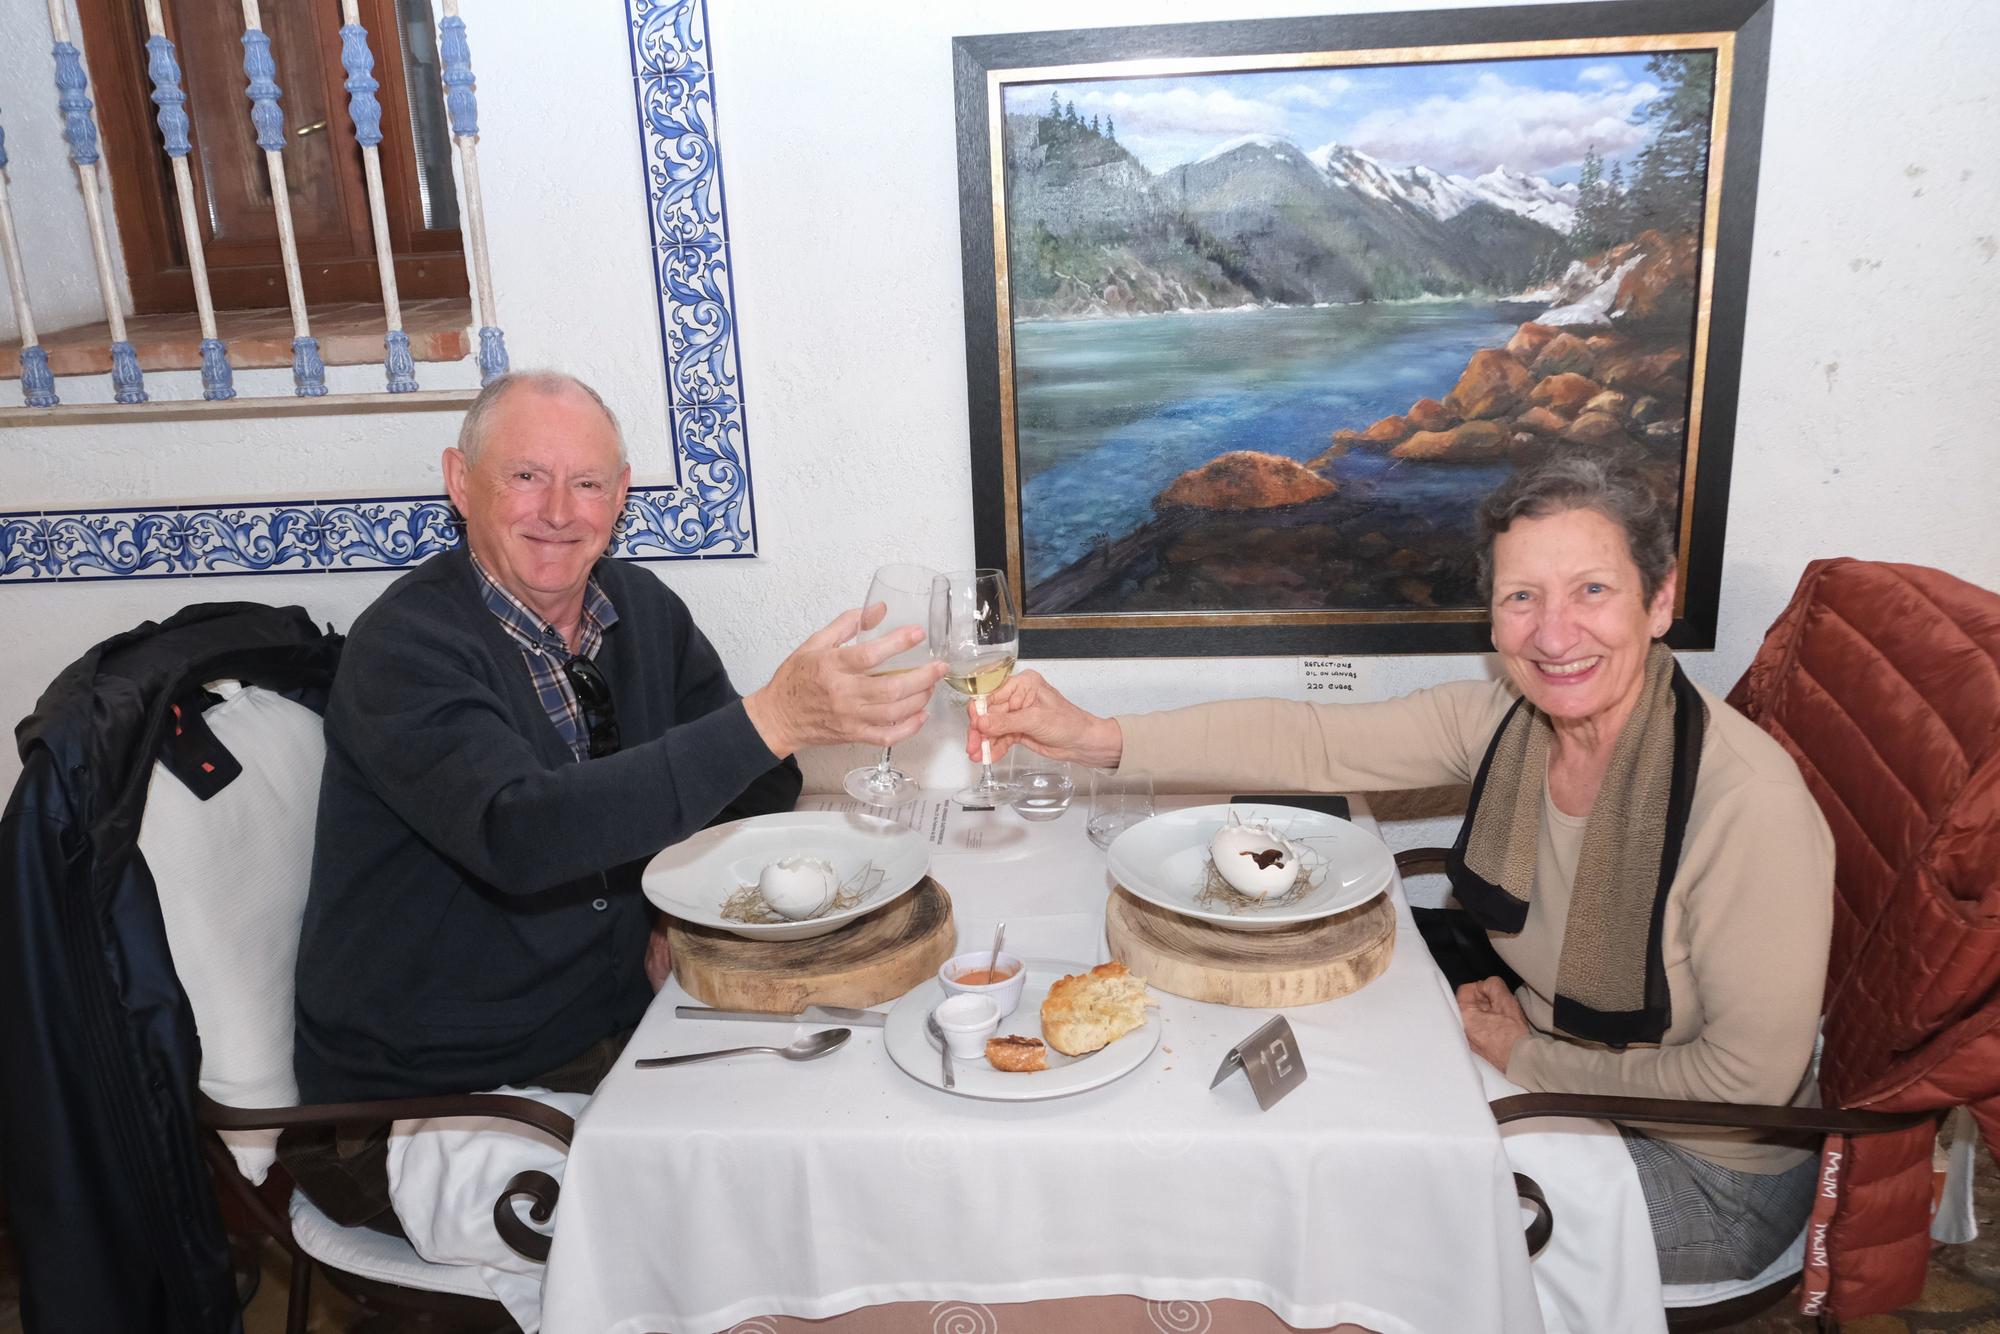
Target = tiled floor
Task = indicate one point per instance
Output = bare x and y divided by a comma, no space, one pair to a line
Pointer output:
350,334
1961,1296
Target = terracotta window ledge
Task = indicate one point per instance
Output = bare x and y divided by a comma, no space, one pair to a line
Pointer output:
350,334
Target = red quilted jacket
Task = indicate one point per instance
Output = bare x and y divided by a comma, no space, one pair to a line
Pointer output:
1883,681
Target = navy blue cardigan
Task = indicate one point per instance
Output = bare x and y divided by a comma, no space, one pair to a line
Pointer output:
475,914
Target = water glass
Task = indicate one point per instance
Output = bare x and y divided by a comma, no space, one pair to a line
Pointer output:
1118,800
1042,786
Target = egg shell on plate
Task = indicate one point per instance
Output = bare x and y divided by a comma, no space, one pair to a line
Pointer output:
1230,848
797,887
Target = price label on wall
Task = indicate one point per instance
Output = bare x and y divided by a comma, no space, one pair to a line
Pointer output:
1335,680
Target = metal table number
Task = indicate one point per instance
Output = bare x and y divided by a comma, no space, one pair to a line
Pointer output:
1270,1059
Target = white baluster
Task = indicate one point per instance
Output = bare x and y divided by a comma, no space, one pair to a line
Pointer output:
308,371
38,387
455,60
216,380
72,85
359,61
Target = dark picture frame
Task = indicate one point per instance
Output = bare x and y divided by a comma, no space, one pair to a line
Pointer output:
1094,622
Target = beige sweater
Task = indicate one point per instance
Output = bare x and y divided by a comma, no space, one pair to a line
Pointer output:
1748,916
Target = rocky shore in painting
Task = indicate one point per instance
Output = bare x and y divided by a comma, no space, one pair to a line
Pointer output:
1604,367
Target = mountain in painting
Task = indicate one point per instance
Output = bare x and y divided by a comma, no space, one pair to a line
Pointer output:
1088,235
1257,220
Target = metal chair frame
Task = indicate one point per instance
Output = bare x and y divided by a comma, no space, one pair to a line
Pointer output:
1795,1121
272,1215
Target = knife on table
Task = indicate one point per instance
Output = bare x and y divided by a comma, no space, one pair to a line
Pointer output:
812,1014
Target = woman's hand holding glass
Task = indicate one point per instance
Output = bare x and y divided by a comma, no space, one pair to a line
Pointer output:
973,631
1028,711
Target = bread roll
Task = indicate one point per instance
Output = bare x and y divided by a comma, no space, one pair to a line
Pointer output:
1085,1011
1016,1053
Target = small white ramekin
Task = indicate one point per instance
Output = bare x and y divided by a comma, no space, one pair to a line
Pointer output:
1006,994
966,1022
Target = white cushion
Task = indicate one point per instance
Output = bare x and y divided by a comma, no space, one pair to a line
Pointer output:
446,1172
232,874
1702,1294
376,1255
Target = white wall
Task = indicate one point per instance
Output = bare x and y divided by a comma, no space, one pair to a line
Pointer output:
1874,326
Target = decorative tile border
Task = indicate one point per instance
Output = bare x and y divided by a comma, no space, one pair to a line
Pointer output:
687,214
292,537
707,513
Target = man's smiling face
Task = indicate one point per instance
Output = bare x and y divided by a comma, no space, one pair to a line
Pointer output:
542,496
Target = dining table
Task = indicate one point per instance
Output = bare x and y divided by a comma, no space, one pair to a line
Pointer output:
755,1194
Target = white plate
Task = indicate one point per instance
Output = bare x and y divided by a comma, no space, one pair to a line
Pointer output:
1164,860
911,1047
693,879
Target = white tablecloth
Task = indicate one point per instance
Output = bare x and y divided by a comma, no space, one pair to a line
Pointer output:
1378,1192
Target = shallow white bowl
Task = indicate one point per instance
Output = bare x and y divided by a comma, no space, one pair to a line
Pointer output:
693,879
1164,860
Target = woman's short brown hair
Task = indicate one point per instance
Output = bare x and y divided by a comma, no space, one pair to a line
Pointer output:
1612,484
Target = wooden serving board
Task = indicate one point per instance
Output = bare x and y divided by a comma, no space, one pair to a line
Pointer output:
1266,970
870,960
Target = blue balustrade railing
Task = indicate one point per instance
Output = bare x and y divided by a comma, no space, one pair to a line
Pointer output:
170,95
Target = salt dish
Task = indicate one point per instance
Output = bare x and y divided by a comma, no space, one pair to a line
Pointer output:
967,1021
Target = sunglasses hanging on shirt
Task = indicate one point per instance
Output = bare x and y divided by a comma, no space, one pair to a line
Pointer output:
593,695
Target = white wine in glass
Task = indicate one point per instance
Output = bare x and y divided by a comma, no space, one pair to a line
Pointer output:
974,633
905,591
982,676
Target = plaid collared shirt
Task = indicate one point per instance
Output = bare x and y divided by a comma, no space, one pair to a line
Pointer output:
545,651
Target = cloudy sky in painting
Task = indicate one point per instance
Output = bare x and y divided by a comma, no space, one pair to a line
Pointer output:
1466,118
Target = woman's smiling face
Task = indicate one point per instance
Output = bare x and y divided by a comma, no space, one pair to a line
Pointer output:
1570,617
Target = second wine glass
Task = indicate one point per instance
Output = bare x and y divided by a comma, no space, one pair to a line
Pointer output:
905,591
973,630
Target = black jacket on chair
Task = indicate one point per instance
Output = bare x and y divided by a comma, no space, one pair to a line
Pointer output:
111,1203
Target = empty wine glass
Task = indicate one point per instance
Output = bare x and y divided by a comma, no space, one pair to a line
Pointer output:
905,591
973,631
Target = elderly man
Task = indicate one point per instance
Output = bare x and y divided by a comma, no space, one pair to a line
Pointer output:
516,727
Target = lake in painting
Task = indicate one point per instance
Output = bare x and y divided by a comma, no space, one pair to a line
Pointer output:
1111,412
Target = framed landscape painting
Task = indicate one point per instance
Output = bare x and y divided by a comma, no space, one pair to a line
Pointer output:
1257,312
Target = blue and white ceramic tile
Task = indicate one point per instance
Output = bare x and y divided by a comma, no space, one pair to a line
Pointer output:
706,512
298,537
711,512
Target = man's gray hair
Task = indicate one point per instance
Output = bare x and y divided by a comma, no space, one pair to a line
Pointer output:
1612,484
472,432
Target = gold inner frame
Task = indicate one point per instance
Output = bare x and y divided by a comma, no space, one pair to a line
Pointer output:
1723,44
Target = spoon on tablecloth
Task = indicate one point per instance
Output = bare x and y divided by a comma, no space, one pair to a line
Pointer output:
807,1048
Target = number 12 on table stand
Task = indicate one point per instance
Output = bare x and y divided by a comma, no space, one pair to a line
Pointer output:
1270,1059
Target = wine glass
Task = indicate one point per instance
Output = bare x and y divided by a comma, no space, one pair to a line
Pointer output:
973,631
906,592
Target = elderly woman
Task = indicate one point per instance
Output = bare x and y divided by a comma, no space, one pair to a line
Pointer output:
1643,858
